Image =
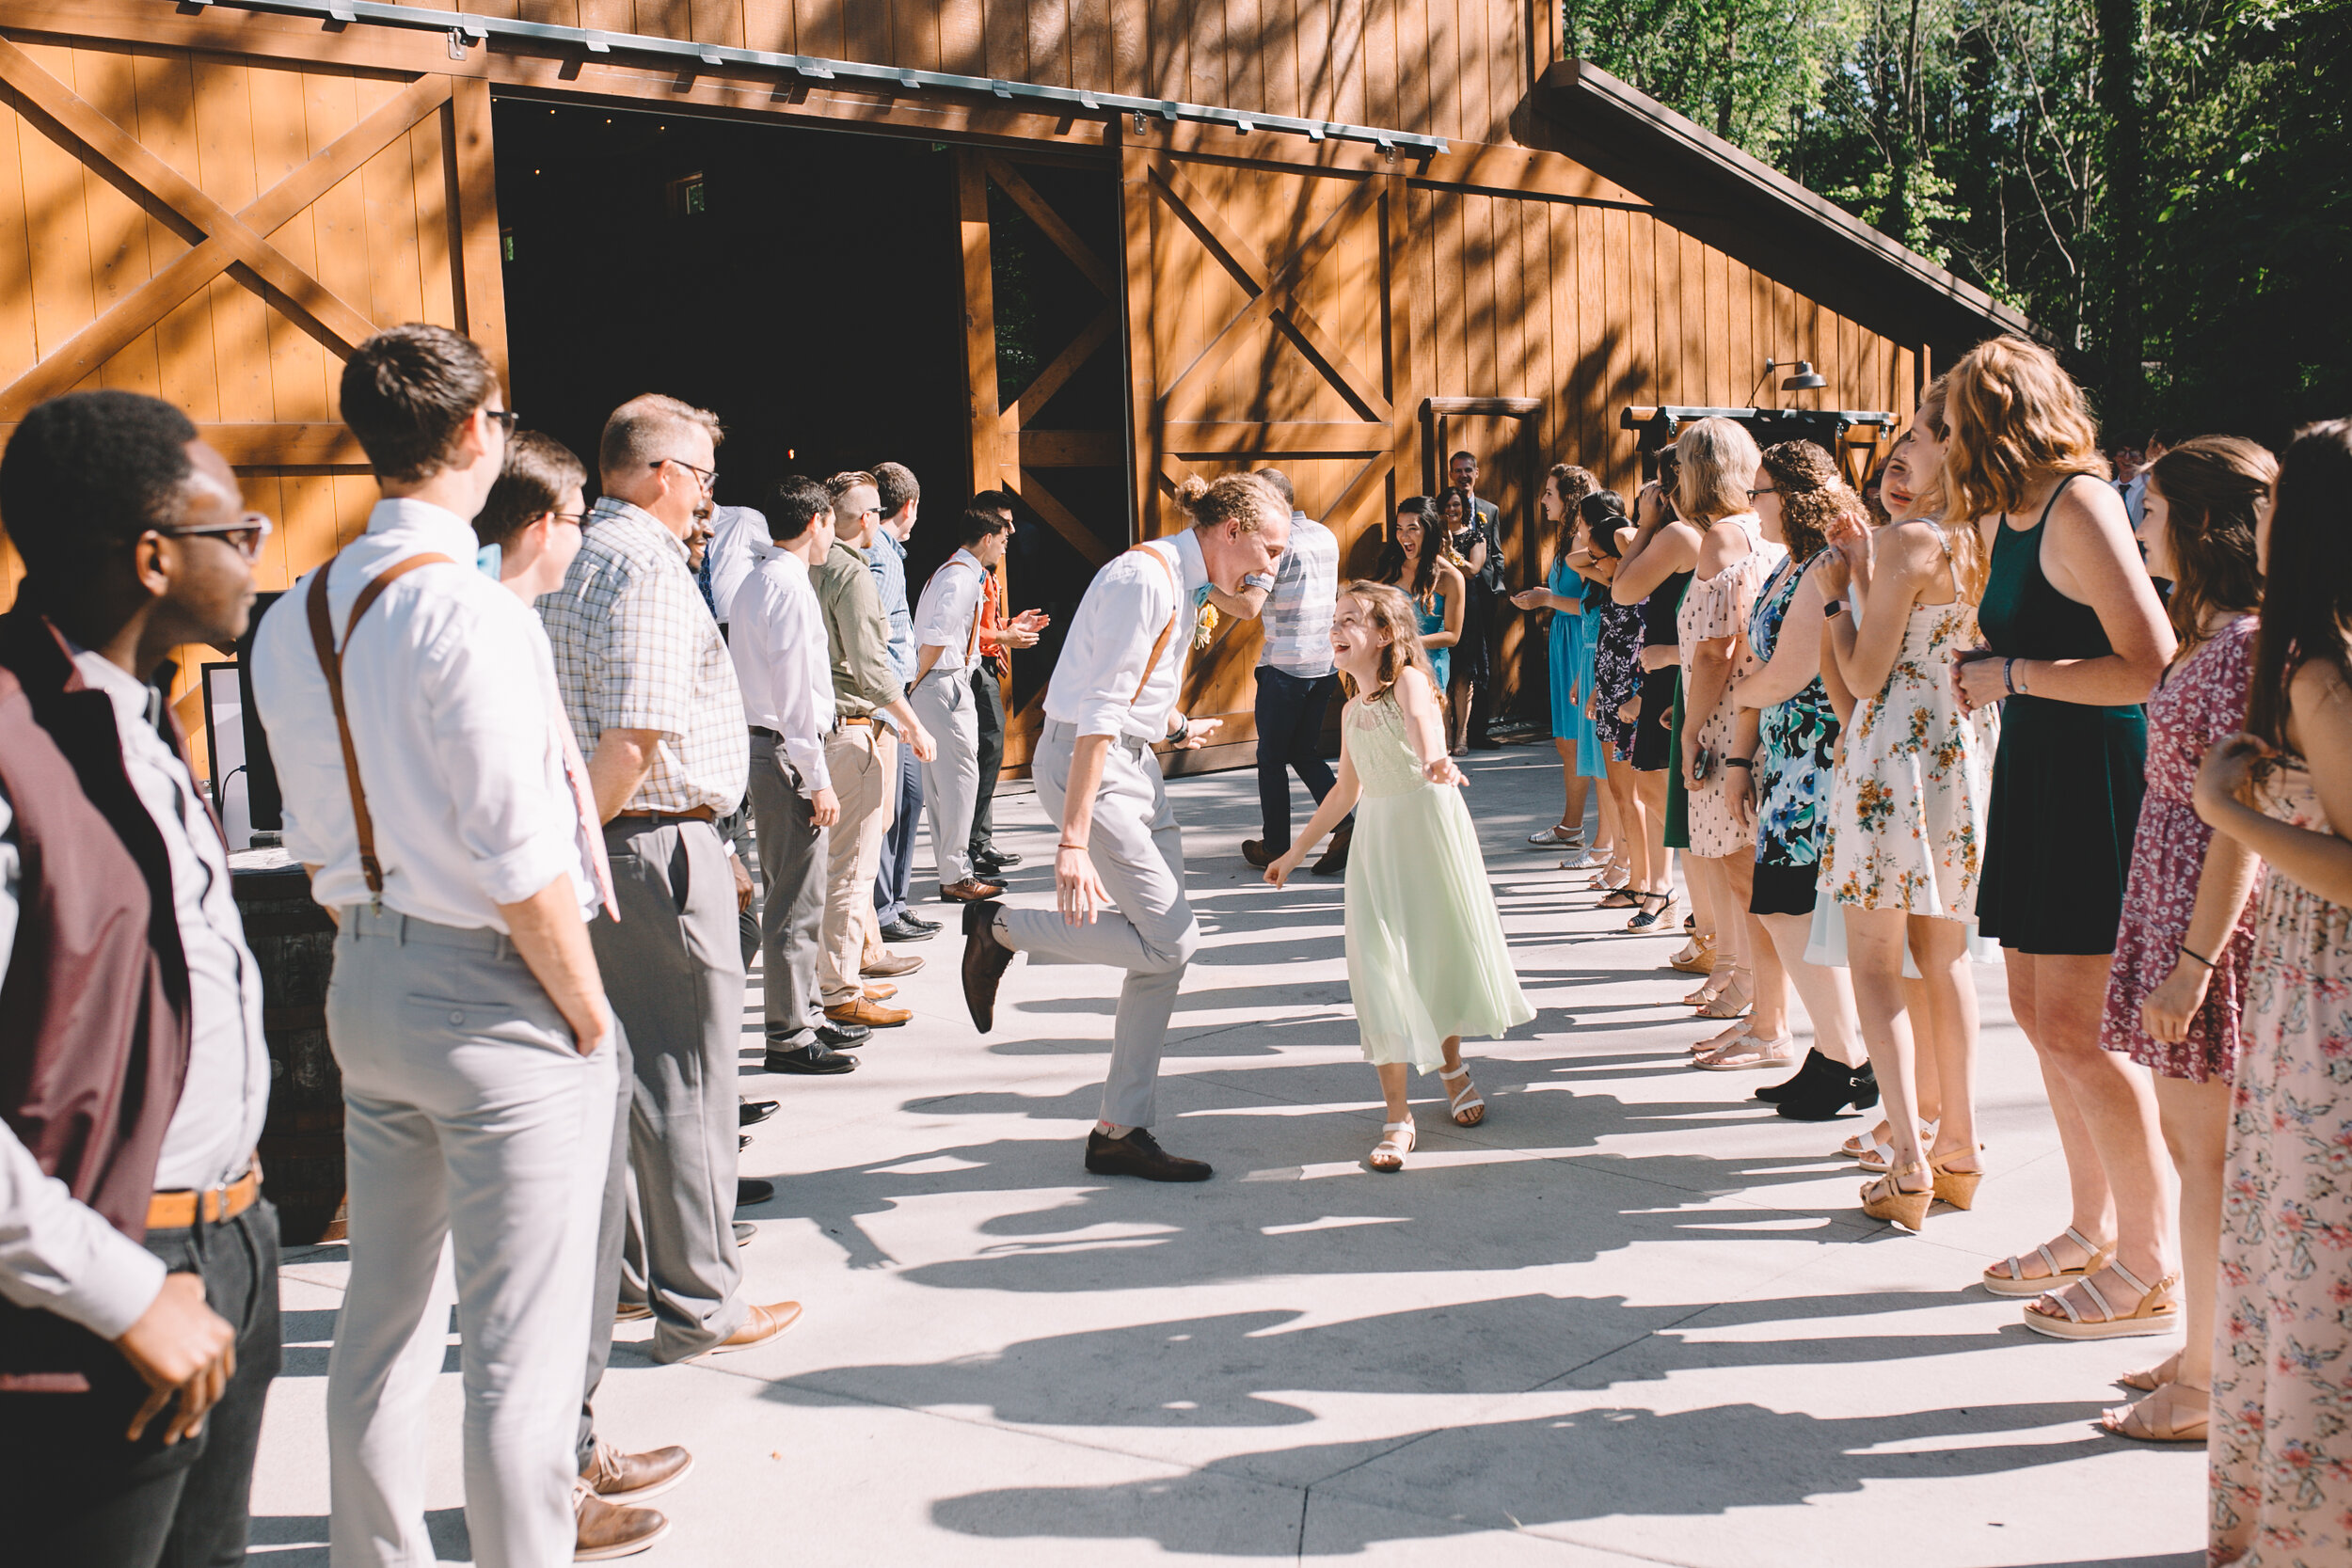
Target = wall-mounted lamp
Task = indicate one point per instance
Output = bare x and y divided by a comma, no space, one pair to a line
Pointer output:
1805,380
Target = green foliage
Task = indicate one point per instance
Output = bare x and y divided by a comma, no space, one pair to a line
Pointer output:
2194,269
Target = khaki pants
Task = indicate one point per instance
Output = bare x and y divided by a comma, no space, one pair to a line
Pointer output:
864,762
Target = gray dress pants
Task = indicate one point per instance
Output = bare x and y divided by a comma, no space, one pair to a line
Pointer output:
792,912
1139,854
674,976
473,1123
612,1227
942,700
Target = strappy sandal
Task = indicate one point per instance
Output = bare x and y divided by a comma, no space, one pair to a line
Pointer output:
2157,1313
1560,837
1696,957
2134,1422
1612,878
1644,918
1722,1005
1749,1050
2017,1282
1888,1198
1713,987
1619,898
1397,1140
2155,1377
1468,1107
1956,1187
1881,1154
1862,1143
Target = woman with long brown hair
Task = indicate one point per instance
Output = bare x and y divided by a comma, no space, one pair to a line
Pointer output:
1570,647
2178,980
2075,639
2281,1454
1415,559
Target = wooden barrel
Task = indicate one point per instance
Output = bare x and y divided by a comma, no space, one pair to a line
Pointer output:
302,1142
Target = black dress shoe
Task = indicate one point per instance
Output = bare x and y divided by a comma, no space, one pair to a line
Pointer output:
991,862
903,929
918,922
1817,1069
751,1191
985,960
833,1036
1828,1096
809,1060
1140,1154
754,1111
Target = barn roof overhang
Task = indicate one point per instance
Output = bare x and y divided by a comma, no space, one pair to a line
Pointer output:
1744,207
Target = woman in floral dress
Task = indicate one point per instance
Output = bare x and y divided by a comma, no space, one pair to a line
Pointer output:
2282,1421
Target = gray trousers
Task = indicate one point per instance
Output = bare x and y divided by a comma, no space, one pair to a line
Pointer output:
612,1227
1139,854
675,975
792,907
472,1122
951,780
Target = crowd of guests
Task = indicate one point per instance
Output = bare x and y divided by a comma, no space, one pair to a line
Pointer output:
1981,710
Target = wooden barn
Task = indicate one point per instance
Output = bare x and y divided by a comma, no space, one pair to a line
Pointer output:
1077,249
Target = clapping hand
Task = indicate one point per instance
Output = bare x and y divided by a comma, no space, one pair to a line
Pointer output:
1532,599
1022,630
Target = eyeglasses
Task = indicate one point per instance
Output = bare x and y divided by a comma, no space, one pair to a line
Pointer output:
577,520
707,477
506,417
1768,490
245,535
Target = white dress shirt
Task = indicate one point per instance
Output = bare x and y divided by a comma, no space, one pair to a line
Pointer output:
1111,637
455,716
737,534
948,616
783,662
55,1253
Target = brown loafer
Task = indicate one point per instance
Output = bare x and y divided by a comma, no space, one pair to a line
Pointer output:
1140,1154
607,1530
874,1015
761,1324
985,960
969,891
631,1478
632,1312
1254,851
879,990
1334,858
890,966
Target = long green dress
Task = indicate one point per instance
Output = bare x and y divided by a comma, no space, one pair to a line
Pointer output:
1425,954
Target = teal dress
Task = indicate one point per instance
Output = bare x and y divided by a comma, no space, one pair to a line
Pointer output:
1432,621
1572,672
1426,953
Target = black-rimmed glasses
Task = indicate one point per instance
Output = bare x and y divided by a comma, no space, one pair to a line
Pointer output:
707,477
245,535
507,419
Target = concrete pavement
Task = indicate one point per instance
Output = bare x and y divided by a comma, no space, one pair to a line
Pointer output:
1633,1318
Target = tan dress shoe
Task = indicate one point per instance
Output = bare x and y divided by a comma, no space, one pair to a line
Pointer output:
608,1530
632,1478
879,990
890,966
761,1324
874,1015
969,891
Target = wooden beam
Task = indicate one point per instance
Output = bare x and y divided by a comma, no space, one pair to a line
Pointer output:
1137,210
472,176
1065,238
310,445
983,415
101,339
1040,390
1071,449
1058,517
1250,438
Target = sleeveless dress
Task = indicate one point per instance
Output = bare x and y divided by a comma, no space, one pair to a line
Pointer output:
1478,606
1660,687
2199,703
1432,621
1572,669
1717,607
2067,785
1907,806
1616,669
1796,753
1425,954
2279,1452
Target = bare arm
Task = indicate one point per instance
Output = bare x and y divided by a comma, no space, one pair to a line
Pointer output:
551,938
1867,657
2223,885
902,717
1079,888
1449,585
2090,557
1335,805
1244,606
1424,722
1656,556
1477,557
2321,729
621,764
1796,653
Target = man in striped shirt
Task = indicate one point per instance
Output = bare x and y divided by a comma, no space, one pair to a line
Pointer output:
1296,680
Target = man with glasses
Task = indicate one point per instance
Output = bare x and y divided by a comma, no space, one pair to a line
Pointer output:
653,703
138,1264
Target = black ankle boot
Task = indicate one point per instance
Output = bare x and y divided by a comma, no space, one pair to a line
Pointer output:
1827,1097
1817,1067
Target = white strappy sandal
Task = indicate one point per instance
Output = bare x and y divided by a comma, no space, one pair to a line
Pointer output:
2009,1276
1881,1154
1468,1107
2158,1311
1397,1140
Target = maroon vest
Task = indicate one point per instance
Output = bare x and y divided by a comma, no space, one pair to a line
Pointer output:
94,1008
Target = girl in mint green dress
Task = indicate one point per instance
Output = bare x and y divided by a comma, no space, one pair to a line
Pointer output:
1426,962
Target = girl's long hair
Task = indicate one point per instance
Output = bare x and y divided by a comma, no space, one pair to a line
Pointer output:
1814,496
2307,592
1574,484
2210,487
2015,415
1603,512
1391,612
1422,568
1717,465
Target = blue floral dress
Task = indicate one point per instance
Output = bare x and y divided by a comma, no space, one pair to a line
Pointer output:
1796,753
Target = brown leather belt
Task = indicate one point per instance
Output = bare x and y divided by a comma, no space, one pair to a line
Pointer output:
178,1211
860,719
700,814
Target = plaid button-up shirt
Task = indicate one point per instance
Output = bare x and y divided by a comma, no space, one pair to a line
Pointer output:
636,649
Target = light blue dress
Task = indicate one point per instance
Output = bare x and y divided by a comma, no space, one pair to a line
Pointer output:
1572,648
1432,621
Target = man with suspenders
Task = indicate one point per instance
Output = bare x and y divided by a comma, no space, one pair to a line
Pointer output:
946,648
1118,870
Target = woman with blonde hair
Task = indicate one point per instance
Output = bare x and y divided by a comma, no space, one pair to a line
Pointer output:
2075,641
1427,959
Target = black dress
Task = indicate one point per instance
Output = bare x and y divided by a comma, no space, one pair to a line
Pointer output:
1653,743
1473,656
2068,779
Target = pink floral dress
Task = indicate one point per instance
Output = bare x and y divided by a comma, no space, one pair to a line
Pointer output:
2280,1443
1717,607
2199,702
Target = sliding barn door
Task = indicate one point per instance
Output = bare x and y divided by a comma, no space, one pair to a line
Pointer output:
221,231
1266,327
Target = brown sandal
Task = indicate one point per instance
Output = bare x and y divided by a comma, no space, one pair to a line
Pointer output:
2135,1421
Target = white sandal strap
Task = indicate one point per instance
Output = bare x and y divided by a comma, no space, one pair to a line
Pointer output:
2083,1241
2049,1261
2127,1277
2091,1288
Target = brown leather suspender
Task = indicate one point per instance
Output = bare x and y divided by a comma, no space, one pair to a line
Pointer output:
1160,647
331,664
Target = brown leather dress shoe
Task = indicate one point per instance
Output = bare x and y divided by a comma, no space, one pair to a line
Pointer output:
890,966
607,1531
1140,1154
874,1015
985,960
761,1324
631,1478
632,1312
969,891
879,990
1254,851
1334,858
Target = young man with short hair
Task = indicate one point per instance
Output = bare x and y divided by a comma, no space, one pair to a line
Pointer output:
900,499
138,1262
1295,681
948,646
468,1013
999,636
